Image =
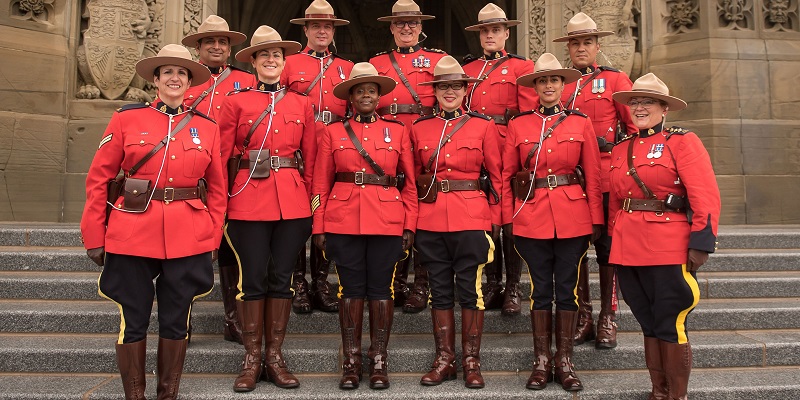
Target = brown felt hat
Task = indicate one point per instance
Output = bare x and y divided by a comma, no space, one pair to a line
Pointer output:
650,86
266,38
320,10
363,72
173,54
448,70
492,14
214,26
581,25
548,65
405,9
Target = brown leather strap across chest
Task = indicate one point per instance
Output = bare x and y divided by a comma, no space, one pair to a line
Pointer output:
395,108
631,205
275,162
172,194
551,181
361,178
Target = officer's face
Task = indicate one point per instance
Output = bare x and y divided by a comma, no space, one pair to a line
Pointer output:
449,98
549,89
364,97
493,37
646,112
404,34
172,82
583,51
213,51
268,64
319,34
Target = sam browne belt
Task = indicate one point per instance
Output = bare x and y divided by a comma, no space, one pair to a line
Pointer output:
395,108
361,178
630,205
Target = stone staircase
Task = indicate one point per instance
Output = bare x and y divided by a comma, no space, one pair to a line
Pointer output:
57,334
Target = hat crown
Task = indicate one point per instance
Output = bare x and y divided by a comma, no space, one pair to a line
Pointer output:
447,65
175,50
213,23
581,22
405,6
265,34
547,62
318,7
650,83
491,12
363,69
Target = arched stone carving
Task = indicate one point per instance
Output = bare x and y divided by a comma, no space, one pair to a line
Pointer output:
537,29
735,14
781,16
41,11
682,16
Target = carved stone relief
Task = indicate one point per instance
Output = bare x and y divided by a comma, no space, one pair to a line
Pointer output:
41,11
682,16
616,16
781,15
735,14
192,16
537,29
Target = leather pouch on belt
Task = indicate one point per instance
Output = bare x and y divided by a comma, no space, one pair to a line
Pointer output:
424,183
233,169
259,166
137,191
112,194
521,185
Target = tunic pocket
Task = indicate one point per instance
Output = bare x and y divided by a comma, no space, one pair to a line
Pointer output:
336,209
196,159
392,211
201,218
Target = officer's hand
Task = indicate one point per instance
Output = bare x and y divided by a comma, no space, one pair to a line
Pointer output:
508,231
319,241
695,259
495,232
408,239
596,230
215,255
97,255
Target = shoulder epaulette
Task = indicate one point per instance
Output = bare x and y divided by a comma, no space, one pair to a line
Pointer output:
434,50
624,138
237,68
429,116
575,112
676,130
340,57
468,59
392,120
610,69
522,113
199,114
133,106
382,53
516,56
479,115
232,92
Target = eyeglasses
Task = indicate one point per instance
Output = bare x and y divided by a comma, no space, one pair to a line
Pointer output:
644,103
452,85
411,24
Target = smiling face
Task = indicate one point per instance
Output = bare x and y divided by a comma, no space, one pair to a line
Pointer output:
172,82
268,64
493,37
647,112
319,34
213,51
364,97
549,89
450,98
404,34
583,51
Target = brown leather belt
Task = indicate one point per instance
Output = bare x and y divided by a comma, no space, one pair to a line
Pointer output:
275,162
328,117
395,108
503,119
449,185
631,205
361,178
172,194
551,181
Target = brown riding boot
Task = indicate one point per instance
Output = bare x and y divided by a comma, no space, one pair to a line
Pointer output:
444,336
418,300
276,317
251,313
513,294
606,323
564,371
542,324
676,360
493,289
171,354
322,298
301,302
381,314
584,331
229,285
399,285
471,331
351,318
131,363
652,357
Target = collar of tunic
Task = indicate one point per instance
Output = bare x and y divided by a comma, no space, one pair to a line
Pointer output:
408,50
317,54
450,114
550,110
366,118
160,106
269,87
588,70
494,55
643,133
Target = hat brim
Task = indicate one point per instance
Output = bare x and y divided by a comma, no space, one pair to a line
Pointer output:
235,38
391,18
336,21
146,68
569,74
385,84
674,103
508,24
289,47
599,34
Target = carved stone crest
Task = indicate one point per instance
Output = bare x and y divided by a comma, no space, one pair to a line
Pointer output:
614,15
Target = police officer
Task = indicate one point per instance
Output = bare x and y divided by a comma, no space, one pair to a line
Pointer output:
410,65
272,131
213,42
658,176
314,72
591,95
497,95
551,154
363,220
451,148
166,223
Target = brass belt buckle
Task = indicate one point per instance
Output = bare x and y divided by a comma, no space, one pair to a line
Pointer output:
626,204
275,162
326,117
359,180
171,192
552,181
445,186
393,108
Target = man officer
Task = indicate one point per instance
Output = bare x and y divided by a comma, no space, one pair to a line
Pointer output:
591,95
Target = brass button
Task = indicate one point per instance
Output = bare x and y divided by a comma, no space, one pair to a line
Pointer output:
276,131
276,151
395,99
172,139
199,147
449,140
249,121
366,126
298,121
667,218
484,92
449,124
341,147
141,142
390,147
571,139
334,196
526,140
549,150
325,91
550,170
362,186
365,139
577,108
302,79
191,96
170,179
447,155
173,157
449,170
397,197
549,119
641,142
216,93
218,107
135,191
363,169
652,162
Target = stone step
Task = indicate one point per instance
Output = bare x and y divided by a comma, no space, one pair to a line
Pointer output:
704,384
83,285
42,316
407,353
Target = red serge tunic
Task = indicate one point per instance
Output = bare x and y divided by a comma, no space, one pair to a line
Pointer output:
301,69
473,145
285,193
595,101
565,211
212,103
670,161
347,208
166,229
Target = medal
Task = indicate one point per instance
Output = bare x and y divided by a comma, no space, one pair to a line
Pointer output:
658,150
594,86
195,135
236,85
196,140
650,153
601,85
504,71
341,72
387,135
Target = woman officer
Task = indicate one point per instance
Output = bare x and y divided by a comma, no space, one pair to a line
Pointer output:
551,213
269,213
664,208
451,147
170,157
363,221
